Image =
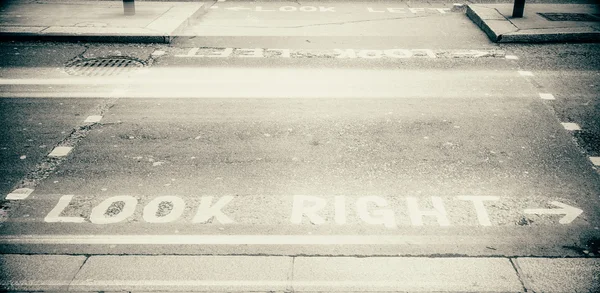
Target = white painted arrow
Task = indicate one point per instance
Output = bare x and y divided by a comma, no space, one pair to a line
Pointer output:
237,8
472,53
571,213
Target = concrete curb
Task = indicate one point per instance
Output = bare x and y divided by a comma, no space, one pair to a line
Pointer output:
162,30
296,274
501,30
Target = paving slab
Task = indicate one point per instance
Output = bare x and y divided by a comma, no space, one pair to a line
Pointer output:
104,21
560,274
38,272
377,274
184,273
497,22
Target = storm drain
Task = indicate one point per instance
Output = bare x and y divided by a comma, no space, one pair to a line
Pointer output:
569,17
107,66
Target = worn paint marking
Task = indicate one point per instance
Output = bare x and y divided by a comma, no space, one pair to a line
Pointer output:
20,193
571,126
547,96
60,151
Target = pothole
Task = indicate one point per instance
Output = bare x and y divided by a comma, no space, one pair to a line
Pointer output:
104,66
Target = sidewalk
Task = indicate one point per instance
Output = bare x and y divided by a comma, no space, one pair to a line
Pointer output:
297,274
98,21
540,22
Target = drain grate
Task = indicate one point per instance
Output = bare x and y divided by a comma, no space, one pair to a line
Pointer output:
569,17
107,66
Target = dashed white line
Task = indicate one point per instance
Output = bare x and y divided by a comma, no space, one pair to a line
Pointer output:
511,57
571,126
158,53
60,152
547,96
20,193
525,73
93,119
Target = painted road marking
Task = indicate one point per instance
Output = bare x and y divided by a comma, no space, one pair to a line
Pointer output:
60,151
20,193
595,160
205,212
93,119
571,126
54,215
571,213
511,57
178,239
316,210
546,96
392,53
526,73
158,53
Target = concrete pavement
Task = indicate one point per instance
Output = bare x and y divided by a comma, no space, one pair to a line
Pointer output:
97,21
297,274
540,22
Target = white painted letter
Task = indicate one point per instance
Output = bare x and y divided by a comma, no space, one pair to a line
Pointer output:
54,215
206,211
340,210
396,10
372,10
193,51
285,53
416,215
427,52
415,10
288,8
398,53
349,53
252,53
298,209
98,213
369,54
385,217
152,208
224,54
326,9
482,215
308,8
259,8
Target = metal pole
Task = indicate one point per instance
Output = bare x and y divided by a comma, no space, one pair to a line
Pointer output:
129,7
518,8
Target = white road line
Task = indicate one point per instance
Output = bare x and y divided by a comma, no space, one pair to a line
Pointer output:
93,119
20,193
546,96
525,73
158,53
595,160
237,239
571,126
511,57
60,152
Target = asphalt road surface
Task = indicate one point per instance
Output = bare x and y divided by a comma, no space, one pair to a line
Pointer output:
302,146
